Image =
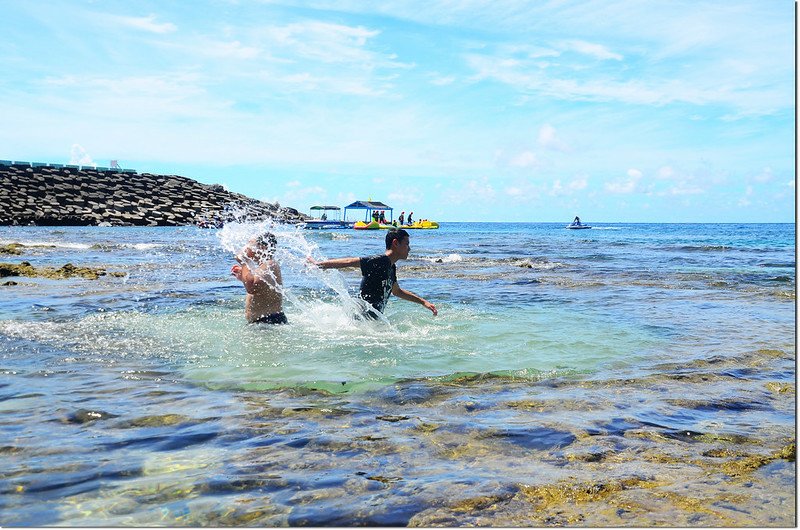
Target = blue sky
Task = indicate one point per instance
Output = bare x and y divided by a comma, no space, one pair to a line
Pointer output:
460,110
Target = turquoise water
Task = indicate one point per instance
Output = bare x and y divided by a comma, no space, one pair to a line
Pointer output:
146,399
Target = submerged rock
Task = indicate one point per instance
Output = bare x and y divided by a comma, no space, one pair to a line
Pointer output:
87,416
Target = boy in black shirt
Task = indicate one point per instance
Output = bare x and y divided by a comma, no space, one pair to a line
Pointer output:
379,273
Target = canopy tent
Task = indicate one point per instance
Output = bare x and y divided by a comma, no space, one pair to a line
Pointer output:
369,206
325,209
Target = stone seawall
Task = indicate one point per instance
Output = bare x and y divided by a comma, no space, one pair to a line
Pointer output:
70,195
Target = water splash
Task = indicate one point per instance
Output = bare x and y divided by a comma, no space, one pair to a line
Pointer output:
331,306
79,156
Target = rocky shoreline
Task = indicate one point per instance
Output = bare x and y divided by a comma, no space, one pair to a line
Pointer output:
67,195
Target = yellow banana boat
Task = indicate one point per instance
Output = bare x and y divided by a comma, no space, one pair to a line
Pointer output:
361,225
421,225
418,225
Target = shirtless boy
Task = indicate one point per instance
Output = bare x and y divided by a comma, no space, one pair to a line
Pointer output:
263,283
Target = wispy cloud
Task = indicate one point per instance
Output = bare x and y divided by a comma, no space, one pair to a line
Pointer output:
529,78
473,191
764,177
598,51
628,185
548,138
524,159
442,80
325,42
147,24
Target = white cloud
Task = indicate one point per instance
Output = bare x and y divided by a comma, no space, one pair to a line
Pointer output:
597,51
665,172
326,42
745,201
406,199
474,191
626,186
232,50
765,176
299,196
537,52
746,97
575,185
440,80
147,24
579,183
550,140
685,188
524,159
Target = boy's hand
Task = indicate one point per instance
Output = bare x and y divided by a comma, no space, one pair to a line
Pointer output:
431,307
236,271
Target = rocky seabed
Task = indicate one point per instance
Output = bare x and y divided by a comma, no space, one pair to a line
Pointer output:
52,195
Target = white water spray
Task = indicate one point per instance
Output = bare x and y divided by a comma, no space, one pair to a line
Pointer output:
309,304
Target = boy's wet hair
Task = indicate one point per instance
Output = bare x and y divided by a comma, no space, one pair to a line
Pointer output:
391,235
268,242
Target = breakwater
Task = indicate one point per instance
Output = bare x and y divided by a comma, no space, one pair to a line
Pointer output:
68,195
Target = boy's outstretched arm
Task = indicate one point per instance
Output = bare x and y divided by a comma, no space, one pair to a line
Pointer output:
411,297
338,263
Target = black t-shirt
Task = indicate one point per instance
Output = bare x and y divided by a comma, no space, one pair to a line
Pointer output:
378,277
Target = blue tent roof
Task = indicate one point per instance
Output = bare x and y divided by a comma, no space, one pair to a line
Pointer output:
367,205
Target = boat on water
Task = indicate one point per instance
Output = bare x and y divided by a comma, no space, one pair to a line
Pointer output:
323,223
370,222
372,225
577,225
418,225
423,224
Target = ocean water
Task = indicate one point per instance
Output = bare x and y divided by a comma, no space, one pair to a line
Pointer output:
627,375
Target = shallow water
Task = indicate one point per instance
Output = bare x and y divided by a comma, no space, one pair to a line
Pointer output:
624,376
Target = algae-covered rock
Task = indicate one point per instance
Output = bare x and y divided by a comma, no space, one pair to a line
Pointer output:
12,269
163,420
748,464
788,453
66,271
11,248
780,388
87,416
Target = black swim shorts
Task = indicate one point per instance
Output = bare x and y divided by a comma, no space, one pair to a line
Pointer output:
273,318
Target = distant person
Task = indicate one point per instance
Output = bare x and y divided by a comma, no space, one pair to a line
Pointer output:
379,273
401,218
409,218
375,216
382,218
577,221
264,284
